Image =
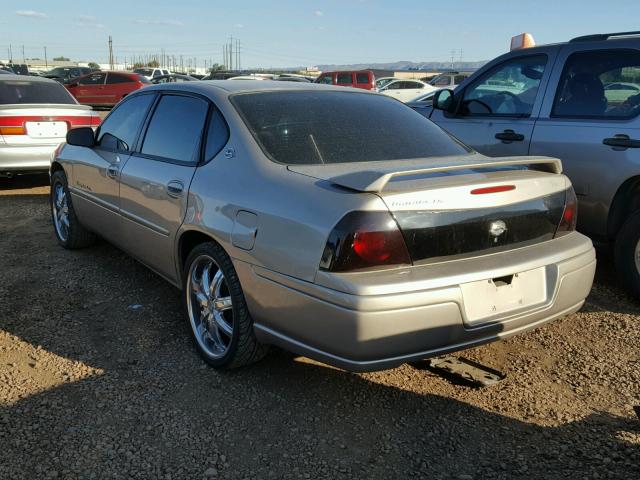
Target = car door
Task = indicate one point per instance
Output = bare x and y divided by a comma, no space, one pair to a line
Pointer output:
410,90
117,87
496,112
96,171
156,178
90,87
592,124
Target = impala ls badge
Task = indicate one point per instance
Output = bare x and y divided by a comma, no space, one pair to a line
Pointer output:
496,229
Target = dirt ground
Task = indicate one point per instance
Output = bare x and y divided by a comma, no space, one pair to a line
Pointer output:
99,379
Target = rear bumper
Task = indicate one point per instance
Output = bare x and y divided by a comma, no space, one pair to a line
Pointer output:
362,326
26,157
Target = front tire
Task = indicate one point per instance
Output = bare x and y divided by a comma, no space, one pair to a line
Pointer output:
69,231
627,254
217,311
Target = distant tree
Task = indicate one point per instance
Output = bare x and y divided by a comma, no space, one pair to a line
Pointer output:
153,64
94,65
216,67
138,65
61,59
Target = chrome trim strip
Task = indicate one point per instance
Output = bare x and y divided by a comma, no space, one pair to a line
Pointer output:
145,223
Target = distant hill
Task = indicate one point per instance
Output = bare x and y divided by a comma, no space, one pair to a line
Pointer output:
407,65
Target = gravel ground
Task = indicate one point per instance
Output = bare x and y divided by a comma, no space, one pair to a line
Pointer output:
93,387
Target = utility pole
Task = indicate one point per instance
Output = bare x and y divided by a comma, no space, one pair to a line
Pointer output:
10,54
23,59
110,53
231,52
46,64
238,54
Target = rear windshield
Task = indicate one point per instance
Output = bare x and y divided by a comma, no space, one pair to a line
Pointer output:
24,91
318,127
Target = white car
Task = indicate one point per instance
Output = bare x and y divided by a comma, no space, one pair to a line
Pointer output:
405,90
152,72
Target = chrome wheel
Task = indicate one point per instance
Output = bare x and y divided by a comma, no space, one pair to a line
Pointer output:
60,206
636,256
210,307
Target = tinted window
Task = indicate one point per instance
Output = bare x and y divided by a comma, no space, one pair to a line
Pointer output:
326,79
441,81
344,79
217,136
157,73
362,78
336,127
93,79
509,89
603,84
115,78
24,91
458,79
143,71
120,128
176,128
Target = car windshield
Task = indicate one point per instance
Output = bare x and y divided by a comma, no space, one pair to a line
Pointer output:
60,72
23,91
143,71
314,127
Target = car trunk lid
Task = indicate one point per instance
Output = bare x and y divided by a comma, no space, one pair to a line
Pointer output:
458,207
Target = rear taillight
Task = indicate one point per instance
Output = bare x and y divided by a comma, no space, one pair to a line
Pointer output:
364,240
569,215
16,125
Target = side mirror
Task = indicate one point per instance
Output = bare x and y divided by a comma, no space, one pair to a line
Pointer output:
443,100
81,137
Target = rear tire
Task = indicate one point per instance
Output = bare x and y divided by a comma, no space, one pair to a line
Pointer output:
215,306
627,254
69,231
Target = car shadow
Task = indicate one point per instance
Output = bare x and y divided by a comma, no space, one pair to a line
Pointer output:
23,182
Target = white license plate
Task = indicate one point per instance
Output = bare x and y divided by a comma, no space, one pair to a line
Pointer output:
46,129
486,299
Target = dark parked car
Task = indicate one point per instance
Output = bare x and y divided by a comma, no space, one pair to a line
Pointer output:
65,74
105,88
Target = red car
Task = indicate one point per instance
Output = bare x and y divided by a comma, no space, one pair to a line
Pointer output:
357,79
105,88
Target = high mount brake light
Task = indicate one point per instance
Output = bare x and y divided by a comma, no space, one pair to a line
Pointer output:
569,215
495,189
364,240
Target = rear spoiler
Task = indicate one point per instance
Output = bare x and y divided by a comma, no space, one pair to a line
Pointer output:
63,106
375,180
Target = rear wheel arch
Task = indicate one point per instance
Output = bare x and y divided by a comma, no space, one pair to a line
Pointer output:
55,167
188,241
626,202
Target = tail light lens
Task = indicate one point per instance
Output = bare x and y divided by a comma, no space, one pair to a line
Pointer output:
569,215
364,240
16,125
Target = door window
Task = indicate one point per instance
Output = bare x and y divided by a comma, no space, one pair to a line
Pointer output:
441,81
509,89
175,129
119,130
93,79
344,79
458,79
325,79
599,84
116,78
157,73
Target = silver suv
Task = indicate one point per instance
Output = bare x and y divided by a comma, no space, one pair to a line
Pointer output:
578,101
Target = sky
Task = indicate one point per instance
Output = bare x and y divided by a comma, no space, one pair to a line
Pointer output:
289,33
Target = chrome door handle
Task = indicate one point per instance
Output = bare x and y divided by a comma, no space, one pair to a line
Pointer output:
113,170
175,188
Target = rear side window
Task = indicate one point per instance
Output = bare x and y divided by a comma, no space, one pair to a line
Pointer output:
120,128
599,84
441,81
301,127
217,136
93,79
175,129
344,79
24,91
458,79
115,78
362,78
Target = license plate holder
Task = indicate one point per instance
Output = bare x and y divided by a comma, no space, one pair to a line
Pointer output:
486,299
46,129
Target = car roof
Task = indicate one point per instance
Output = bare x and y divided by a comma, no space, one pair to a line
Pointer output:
29,78
206,87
